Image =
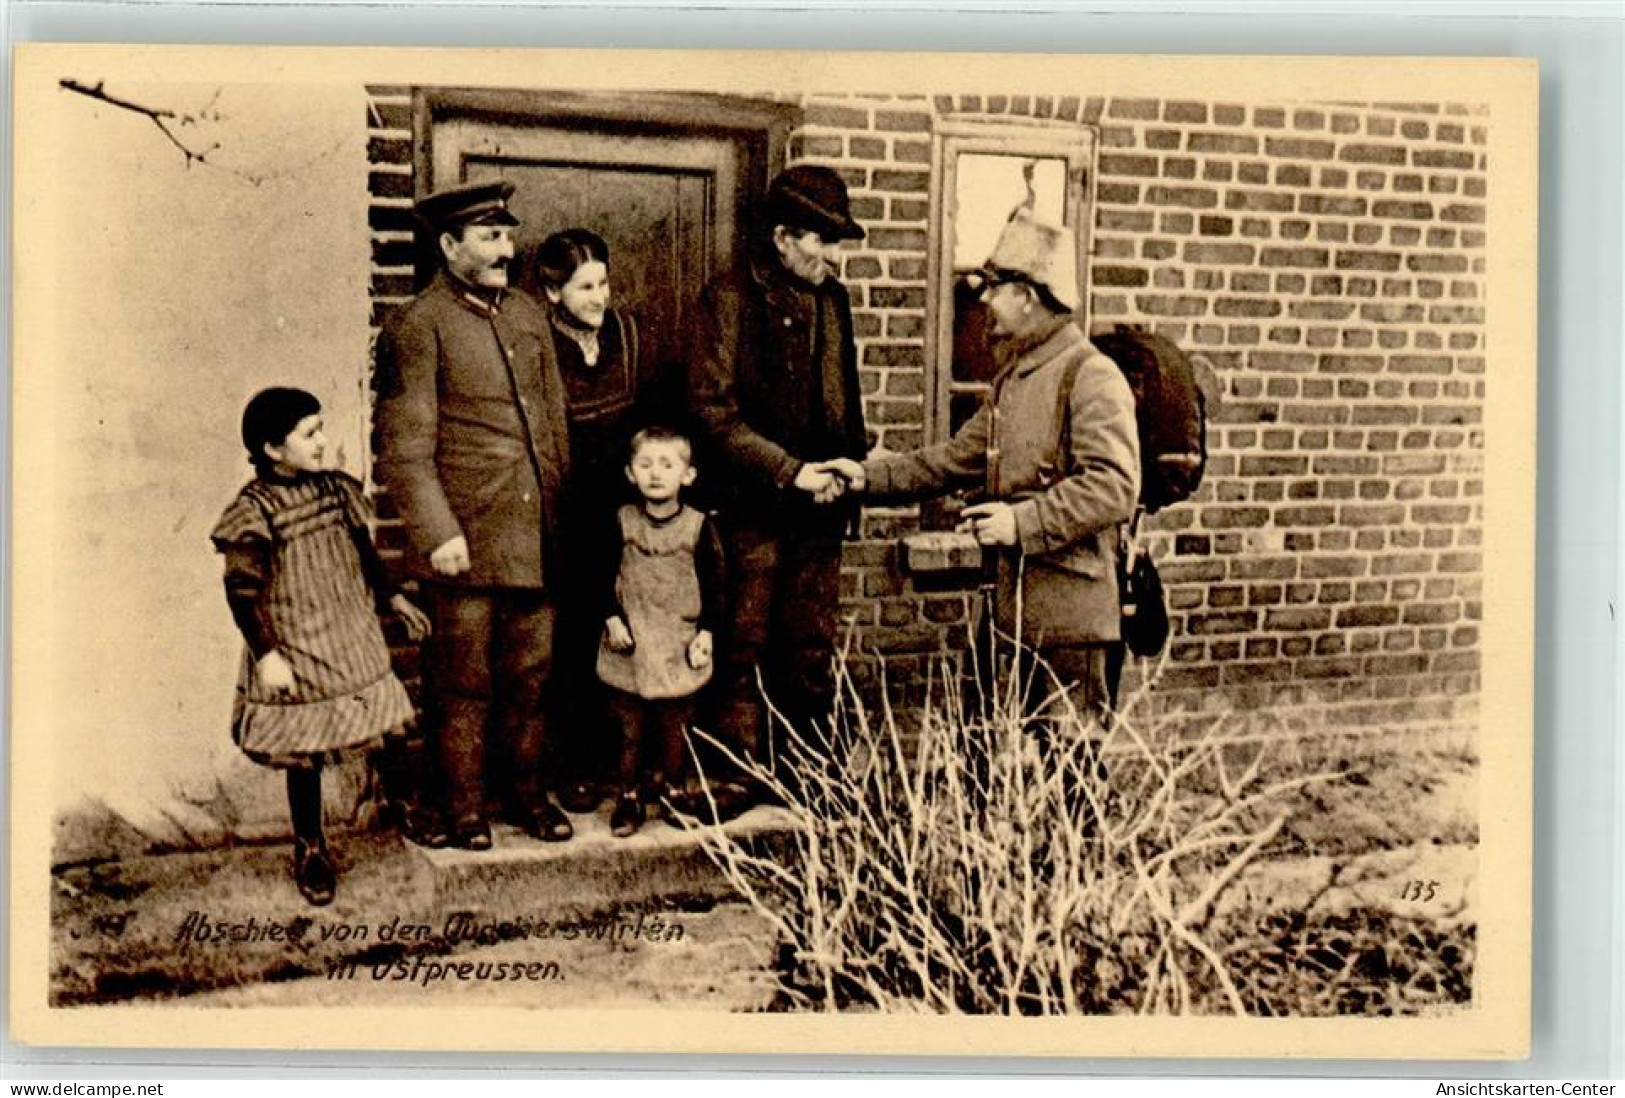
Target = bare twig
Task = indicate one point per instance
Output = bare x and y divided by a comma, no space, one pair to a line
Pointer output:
170,122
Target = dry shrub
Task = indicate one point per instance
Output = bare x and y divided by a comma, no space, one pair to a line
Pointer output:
1001,862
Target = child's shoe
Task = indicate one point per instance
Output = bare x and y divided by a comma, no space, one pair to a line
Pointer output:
679,805
581,797
470,833
627,817
313,872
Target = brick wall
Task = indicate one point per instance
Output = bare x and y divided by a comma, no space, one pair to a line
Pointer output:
1328,262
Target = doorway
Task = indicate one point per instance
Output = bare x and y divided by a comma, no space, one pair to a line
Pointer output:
669,181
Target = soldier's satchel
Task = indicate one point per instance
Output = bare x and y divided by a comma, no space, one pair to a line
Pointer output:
1145,610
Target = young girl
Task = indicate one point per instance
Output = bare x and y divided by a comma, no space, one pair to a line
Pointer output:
305,586
659,617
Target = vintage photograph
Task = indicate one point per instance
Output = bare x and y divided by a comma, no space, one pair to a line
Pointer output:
710,551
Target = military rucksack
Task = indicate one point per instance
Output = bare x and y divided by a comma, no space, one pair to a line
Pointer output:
1170,410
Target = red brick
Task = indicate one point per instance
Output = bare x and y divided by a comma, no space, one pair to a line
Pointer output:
1442,158
1192,197
1141,109
1246,307
1260,201
1420,364
1329,567
1297,148
1326,205
903,121
1395,665
1305,516
1351,260
906,268
1204,625
1294,257
1167,305
1119,276
910,182
1128,221
895,297
846,118
1300,619
1329,668
1113,164
1373,154
1293,175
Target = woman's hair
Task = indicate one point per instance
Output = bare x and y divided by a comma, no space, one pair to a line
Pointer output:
271,416
564,252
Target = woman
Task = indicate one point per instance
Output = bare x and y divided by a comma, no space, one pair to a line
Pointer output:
610,390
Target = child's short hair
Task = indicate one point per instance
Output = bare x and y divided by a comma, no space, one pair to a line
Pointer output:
271,416
660,432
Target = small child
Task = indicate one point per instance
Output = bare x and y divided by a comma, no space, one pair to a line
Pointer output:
305,587
661,612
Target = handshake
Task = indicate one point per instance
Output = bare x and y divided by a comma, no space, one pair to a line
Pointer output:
828,481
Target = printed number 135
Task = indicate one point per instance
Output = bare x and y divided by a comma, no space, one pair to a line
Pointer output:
1419,890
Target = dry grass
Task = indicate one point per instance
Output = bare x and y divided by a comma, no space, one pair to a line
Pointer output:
998,862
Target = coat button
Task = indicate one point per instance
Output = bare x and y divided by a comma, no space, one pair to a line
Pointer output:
788,322
525,496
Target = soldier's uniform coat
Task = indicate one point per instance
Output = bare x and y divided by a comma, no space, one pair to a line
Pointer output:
1067,526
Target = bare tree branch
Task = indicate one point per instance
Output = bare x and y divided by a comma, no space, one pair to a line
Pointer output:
170,122
159,116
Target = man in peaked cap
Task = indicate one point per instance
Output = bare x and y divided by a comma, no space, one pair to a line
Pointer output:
1053,520
471,442
773,380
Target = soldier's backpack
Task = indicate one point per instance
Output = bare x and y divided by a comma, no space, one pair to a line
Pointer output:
1170,409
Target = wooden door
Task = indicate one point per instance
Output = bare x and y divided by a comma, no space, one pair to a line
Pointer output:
666,181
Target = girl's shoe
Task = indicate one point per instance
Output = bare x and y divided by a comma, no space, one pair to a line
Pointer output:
627,817
313,871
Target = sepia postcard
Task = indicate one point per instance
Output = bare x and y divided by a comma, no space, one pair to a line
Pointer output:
521,550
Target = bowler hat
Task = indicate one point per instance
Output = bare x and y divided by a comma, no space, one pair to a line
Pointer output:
809,196
467,204
1043,254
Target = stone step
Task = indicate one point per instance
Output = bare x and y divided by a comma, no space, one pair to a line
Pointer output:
594,870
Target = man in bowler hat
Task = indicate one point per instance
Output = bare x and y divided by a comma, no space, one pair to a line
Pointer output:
773,380
471,442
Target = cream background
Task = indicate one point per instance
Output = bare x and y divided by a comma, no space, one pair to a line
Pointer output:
89,501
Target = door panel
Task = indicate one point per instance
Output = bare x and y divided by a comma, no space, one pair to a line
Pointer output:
666,205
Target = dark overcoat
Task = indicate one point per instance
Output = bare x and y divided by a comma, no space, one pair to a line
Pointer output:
1067,527
471,434
760,387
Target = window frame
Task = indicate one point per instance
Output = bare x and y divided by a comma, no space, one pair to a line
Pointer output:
1074,143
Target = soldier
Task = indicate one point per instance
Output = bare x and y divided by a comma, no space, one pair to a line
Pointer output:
1052,518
